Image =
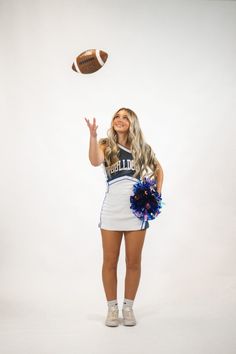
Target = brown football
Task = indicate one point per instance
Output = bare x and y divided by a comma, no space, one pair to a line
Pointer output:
89,61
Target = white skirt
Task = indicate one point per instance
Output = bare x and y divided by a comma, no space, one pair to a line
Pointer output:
115,212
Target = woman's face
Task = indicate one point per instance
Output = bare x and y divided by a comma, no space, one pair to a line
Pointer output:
121,122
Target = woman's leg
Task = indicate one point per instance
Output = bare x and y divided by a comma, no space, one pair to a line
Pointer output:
111,241
133,248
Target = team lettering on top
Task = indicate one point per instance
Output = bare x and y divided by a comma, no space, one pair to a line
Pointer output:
124,164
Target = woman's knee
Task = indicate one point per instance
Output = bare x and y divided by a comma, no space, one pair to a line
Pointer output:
133,263
110,261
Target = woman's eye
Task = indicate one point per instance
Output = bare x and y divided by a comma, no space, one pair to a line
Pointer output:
121,117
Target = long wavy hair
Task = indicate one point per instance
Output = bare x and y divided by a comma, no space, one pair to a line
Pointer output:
145,161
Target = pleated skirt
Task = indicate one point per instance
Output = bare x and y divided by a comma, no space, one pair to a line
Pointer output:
115,212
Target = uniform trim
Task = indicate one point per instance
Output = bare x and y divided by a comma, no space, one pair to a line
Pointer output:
100,218
118,179
144,225
124,148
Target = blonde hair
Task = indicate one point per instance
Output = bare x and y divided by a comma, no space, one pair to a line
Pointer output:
143,155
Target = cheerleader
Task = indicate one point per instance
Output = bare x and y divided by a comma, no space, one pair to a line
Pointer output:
125,158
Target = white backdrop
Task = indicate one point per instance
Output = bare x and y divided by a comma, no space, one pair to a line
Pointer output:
173,63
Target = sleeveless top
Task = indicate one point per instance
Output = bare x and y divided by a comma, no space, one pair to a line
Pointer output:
123,167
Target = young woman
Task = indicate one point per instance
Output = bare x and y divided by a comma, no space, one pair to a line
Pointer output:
125,157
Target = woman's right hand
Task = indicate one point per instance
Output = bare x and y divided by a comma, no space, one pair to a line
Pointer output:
92,127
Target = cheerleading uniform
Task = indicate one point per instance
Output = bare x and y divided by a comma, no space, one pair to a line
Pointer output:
115,212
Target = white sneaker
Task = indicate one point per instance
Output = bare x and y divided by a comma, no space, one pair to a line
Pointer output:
112,319
128,316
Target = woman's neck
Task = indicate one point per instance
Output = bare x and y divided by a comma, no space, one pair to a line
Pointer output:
122,140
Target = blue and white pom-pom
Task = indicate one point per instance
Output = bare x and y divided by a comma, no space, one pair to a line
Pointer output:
146,202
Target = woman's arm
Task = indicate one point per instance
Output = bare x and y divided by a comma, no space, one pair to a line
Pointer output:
96,153
159,176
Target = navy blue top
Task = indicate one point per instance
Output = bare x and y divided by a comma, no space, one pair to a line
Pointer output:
123,167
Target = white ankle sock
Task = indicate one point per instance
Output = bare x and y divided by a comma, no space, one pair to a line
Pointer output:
128,302
112,303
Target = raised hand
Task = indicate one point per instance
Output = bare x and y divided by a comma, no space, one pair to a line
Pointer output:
92,127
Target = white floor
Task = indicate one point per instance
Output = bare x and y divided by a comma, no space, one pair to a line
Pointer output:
73,322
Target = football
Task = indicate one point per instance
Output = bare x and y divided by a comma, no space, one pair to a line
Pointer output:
89,61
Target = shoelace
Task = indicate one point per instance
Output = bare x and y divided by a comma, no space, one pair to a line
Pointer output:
128,311
113,313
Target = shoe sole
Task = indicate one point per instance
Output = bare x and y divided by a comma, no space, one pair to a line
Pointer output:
111,324
129,323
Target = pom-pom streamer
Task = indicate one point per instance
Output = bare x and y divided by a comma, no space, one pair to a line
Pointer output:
145,201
